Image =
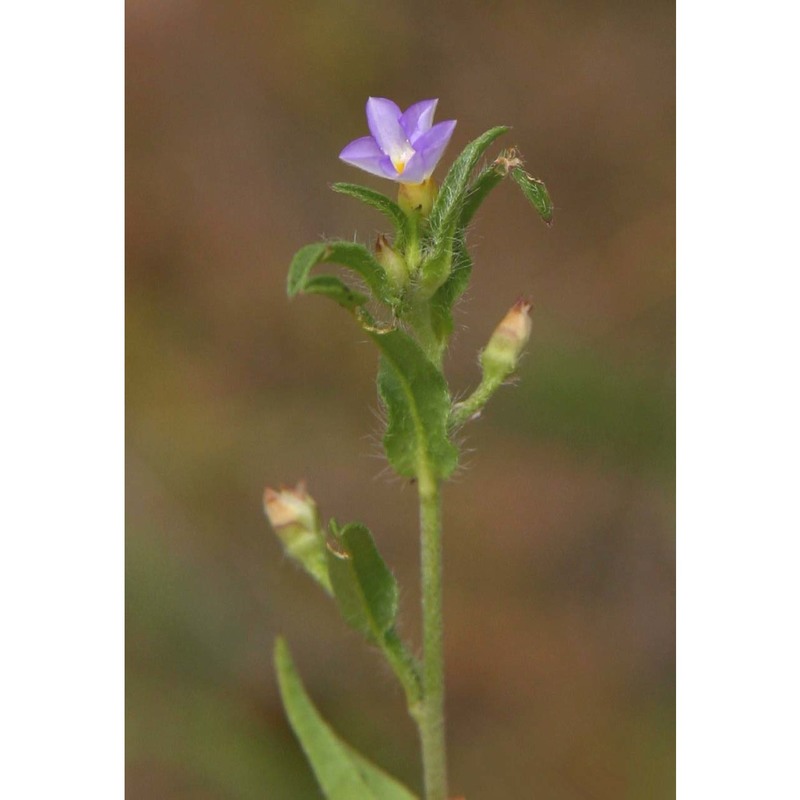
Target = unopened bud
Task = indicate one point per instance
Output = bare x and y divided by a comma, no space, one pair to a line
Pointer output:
294,518
289,508
417,198
392,262
501,356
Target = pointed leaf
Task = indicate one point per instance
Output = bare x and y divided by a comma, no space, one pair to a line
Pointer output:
382,203
536,192
417,404
332,287
342,773
349,254
447,207
365,589
479,189
382,784
446,213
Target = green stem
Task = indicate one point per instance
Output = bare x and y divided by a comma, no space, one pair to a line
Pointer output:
464,411
431,717
405,668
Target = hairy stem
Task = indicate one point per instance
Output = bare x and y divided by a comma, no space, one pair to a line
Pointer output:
405,668
462,412
431,717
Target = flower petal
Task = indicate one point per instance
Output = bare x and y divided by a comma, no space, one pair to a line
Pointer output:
414,171
389,170
417,119
430,146
383,118
365,154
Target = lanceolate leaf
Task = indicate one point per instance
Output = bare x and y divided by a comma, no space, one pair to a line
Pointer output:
349,254
380,202
447,210
365,589
367,595
536,192
342,773
485,181
417,404
383,785
332,287
447,207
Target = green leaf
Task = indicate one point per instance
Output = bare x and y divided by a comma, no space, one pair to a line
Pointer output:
447,208
382,784
349,254
446,296
342,773
367,595
382,203
486,180
365,589
417,404
536,192
332,287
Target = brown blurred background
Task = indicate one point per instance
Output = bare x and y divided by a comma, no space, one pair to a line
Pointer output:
559,529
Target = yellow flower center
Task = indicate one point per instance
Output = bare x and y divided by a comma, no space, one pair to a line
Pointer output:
401,156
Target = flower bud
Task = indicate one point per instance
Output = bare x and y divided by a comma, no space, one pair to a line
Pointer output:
392,262
417,198
501,356
294,518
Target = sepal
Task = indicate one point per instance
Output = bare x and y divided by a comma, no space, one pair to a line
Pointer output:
417,199
293,515
501,355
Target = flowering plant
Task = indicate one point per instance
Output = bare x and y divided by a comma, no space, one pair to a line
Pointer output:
411,283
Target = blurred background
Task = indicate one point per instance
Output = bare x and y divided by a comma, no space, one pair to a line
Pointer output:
559,537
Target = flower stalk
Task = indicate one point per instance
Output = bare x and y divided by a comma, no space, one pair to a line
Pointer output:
498,360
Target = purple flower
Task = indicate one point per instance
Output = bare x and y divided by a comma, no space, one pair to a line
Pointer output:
405,146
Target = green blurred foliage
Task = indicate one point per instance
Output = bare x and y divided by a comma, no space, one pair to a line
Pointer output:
561,662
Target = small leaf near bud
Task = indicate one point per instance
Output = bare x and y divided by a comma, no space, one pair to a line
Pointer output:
501,355
392,262
294,518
